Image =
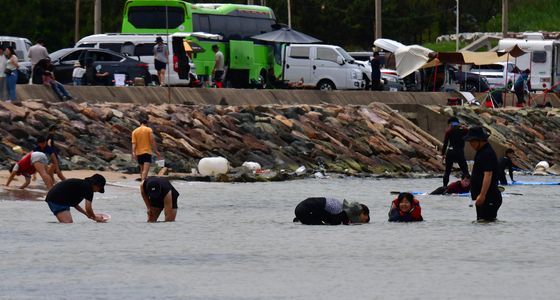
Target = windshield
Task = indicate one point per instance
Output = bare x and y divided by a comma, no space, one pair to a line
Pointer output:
58,54
488,68
345,55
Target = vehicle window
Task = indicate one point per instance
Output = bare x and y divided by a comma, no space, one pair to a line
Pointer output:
6,44
201,23
232,27
299,52
326,54
73,56
539,56
27,45
144,49
153,17
111,46
90,45
104,56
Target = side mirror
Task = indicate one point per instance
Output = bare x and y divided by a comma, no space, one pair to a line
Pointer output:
339,60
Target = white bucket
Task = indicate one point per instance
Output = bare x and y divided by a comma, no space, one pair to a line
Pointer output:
253,166
542,165
160,163
211,166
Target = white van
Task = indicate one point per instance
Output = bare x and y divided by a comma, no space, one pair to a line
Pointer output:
325,67
21,47
543,58
141,46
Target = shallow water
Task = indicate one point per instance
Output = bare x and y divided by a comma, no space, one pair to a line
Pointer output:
237,241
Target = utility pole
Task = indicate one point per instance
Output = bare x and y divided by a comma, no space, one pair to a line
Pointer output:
289,14
505,19
263,2
97,17
77,24
377,24
250,2
457,29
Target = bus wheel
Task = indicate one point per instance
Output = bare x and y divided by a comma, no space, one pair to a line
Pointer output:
326,85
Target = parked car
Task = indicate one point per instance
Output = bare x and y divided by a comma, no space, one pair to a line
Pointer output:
464,81
325,67
109,61
496,74
21,47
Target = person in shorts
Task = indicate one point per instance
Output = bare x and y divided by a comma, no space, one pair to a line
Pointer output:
161,52
219,66
143,145
69,193
31,163
158,195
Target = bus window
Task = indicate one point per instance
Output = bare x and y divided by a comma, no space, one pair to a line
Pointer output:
539,56
299,52
153,17
111,46
231,27
201,23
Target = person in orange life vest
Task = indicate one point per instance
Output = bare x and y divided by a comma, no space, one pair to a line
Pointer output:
405,209
30,164
458,187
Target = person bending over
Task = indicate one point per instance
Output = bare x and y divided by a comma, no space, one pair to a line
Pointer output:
458,187
158,195
69,193
330,211
506,163
405,209
31,163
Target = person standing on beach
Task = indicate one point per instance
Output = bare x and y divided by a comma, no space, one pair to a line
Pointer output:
522,85
161,52
158,195
453,150
143,145
219,66
484,180
31,163
69,193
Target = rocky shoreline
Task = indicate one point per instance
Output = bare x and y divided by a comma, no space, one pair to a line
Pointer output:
369,140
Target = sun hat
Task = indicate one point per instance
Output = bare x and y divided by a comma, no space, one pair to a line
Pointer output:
159,39
77,64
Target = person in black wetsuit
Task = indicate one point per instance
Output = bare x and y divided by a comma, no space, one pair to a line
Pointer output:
70,192
506,163
330,211
158,195
484,179
453,148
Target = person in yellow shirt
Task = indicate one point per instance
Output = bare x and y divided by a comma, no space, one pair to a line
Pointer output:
143,145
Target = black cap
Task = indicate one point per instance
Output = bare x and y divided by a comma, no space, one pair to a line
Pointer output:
153,190
99,181
476,133
159,39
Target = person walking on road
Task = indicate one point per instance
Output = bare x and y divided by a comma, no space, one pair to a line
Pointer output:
143,145
484,179
219,66
453,150
161,53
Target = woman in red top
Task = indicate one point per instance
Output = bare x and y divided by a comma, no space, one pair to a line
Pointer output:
405,209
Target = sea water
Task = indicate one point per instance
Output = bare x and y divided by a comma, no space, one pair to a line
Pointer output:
237,241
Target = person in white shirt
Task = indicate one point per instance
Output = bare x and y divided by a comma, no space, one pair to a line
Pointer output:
219,65
3,86
12,67
36,53
78,74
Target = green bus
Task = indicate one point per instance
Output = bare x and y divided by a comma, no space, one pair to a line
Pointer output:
249,62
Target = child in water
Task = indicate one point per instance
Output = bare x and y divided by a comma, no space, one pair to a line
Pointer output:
329,211
405,209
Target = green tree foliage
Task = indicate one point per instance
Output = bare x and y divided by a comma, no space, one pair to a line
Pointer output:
349,23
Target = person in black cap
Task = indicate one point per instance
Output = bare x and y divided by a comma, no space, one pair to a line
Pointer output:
453,148
484,179
69,193
158,195
330,211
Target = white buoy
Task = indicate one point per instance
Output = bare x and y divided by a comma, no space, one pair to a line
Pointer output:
542,165
212,166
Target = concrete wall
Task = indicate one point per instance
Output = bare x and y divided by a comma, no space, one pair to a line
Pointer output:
231,96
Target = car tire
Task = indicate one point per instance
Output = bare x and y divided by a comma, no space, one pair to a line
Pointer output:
326,85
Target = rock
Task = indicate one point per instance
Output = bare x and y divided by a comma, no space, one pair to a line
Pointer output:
16,113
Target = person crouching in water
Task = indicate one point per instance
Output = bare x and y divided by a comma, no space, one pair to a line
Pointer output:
506,163
329,211
158,195
462,186
30,164
69,193
405,209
